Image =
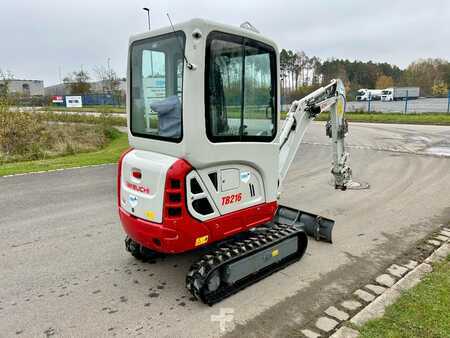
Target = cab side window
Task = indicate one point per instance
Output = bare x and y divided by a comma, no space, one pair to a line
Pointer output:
240,89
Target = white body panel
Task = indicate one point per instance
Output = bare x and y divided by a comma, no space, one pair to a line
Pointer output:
135,198
238,187
233,180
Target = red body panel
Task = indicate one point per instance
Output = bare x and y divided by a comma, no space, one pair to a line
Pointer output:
179,231
181,236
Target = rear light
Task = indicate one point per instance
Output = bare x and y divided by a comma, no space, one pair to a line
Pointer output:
175,190
136,173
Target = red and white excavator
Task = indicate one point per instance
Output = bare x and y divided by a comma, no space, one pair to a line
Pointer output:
209,154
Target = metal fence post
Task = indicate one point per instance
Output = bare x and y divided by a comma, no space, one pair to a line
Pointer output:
448,102
370,99
406,103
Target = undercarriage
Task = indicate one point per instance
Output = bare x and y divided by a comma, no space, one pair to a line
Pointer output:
233,264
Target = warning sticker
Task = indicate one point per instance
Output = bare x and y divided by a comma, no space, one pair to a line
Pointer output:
201,240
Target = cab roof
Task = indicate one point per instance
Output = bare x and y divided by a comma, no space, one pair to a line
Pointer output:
205,26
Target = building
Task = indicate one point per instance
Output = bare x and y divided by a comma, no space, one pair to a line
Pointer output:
96,88
24,87
59,90
101,87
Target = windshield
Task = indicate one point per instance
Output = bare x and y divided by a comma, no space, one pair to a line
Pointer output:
157,87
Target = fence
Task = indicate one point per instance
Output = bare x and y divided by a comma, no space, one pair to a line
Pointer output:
88,100
99,100
407,106
103,99
448,102
418,106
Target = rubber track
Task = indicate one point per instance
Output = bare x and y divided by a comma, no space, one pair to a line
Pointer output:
196,279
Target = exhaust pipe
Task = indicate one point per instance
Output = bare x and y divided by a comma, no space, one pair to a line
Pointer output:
315,226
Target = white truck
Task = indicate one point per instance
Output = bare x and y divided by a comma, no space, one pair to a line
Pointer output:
400,93
369,94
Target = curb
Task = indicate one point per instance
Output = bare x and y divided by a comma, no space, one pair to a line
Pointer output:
369,302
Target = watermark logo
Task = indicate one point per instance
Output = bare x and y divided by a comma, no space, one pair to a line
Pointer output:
225,315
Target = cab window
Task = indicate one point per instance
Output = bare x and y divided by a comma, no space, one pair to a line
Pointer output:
157,87
240,89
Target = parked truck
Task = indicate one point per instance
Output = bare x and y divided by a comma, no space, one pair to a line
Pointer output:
368,94
400,93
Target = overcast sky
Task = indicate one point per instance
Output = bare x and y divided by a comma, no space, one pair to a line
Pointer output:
39,37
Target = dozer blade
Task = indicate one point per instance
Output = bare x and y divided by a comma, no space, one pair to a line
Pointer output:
239,263
315,226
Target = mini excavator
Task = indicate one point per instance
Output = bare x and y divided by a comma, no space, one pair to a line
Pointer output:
209,155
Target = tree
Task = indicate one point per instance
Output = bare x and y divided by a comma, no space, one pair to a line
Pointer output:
316,76
78,82
439,89
384,81
425,73
109,79
5,77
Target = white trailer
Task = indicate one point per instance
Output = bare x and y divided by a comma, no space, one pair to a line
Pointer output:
400,93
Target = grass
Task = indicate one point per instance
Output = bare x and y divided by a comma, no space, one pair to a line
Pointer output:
97,109
425,118
85,118
422,311
109,154
375,117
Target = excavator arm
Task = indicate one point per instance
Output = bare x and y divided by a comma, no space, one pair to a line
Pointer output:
301,113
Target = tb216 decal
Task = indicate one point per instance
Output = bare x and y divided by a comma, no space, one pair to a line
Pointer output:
230,199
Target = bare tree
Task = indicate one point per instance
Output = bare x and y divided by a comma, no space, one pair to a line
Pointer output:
108,78
78,82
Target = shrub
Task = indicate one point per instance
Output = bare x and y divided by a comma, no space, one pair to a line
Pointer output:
20,132
29,136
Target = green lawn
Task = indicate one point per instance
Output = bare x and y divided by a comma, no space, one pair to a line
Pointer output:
85,118
98,109
426,118
109,154
423,311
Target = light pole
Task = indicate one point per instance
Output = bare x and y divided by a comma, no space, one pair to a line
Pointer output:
148,15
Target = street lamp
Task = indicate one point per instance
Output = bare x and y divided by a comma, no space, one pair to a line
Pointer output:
148,15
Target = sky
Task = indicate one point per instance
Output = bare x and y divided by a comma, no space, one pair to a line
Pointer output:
43,39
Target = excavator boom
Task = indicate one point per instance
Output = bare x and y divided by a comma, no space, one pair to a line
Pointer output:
301,113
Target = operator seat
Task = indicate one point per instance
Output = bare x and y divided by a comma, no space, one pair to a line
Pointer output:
169,116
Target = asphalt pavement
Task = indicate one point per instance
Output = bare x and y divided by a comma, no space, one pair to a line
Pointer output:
64,270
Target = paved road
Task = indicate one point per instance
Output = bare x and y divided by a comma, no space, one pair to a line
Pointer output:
64,270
